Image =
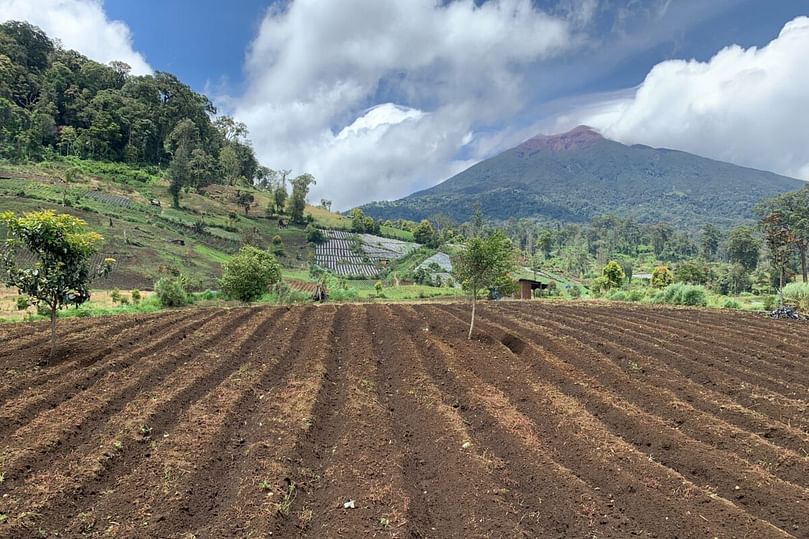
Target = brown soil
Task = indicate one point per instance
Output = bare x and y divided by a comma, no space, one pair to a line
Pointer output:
556,420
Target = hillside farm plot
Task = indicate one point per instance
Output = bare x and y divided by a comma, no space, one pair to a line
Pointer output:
557,421
359,255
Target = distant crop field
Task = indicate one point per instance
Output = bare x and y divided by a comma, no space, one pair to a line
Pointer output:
383,420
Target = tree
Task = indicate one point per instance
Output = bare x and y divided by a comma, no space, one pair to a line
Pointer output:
245,199
62,247
779,242
483,262
229,163
613,275
297,202
249,274
662,277
424,233
743,247
711,238
793,209
279,196
181,144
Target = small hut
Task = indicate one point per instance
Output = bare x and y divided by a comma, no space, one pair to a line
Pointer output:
527,287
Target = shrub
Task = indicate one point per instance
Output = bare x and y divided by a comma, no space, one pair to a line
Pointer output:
797,295
662,277
249,275
115,295
136,297
314,234
574,292
682,294
613,275
618,295
172,291
769,302
731,304
23,302
635,295
123,300
378,288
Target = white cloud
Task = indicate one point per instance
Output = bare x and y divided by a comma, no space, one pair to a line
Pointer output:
745,106
442,71
81,25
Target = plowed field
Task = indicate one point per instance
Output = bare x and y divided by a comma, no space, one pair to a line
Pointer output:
384,421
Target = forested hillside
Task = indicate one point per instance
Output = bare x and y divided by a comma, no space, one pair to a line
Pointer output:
58,102
576,176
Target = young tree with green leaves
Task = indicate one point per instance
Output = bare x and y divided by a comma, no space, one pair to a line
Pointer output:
662,277
779,240
249,274
743,247
62,247
483,262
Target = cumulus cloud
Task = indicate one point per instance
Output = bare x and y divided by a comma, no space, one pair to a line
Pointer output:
746,106
441,71
81,25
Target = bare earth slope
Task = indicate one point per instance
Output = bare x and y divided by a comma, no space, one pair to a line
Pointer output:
559,420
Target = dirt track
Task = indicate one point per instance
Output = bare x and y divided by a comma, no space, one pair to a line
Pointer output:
557,421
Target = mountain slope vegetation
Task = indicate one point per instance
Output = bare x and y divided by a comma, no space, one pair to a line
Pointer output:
577,175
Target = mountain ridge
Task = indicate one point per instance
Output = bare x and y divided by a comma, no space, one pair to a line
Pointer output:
576,175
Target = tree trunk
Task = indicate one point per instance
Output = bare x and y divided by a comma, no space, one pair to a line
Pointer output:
474,303
53,332
781,289
802,250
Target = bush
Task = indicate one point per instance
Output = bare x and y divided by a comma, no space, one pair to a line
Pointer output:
731,304
249,275
23,302
769,302
314,234
636,295
797,295
172,291
682,294
115,295
574,292
618,295
136,297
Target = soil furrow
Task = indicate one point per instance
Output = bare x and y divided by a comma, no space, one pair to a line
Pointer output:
651,364
317,449
587,441
515,490
33,401
286,398
95,464
701,368
125,337
783,381
661,401
763,495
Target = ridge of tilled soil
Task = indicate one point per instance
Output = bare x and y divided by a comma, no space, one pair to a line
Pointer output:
556,420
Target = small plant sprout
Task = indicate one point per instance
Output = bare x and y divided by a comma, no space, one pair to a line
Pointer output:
145,431
265,485
118,445
285,505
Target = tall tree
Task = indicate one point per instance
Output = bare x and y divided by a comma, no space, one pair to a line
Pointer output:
779,244
711,239
742,247
297,202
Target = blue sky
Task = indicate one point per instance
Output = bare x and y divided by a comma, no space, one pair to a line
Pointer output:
380,98
204,41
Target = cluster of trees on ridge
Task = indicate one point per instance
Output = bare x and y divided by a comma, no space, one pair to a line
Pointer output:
57,103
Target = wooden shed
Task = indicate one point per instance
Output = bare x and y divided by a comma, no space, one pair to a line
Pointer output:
527,287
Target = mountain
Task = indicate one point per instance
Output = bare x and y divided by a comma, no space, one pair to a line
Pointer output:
577,175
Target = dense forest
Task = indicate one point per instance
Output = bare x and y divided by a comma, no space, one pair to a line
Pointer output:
56,102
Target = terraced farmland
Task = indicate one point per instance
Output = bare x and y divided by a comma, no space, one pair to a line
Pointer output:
384,421
358,255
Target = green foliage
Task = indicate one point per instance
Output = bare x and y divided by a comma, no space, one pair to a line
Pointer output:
797,295
743,247
61,246
378,288
172,291
297,201
574,292
731,304
250,274
424,233
662,277
314,234
115,295
613,276
682,294
23,302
